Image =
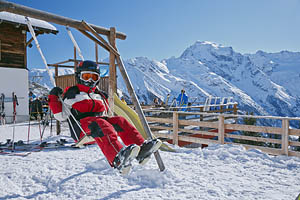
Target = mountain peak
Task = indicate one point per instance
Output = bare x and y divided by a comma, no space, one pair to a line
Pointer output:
206,50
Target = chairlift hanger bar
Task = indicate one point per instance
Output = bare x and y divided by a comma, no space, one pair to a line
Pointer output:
49,17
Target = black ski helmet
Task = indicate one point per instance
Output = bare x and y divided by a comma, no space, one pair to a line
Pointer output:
87,66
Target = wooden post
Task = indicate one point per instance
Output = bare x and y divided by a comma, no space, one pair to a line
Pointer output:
222,109
112,69
175,128
56,70
201,118
235,109
75,62
96,52
221,129
285,137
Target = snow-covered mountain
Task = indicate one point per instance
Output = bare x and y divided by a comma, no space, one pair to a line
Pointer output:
263,83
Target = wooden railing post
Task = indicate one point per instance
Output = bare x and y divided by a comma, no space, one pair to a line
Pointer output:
201,116
221,129
235,109
285,137
175,128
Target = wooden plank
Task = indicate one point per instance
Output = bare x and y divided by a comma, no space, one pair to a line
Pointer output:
93,39
259,129
161,127
198,132
221,129
175,128
295,132
199,123
109,46
256,139
196,140
163,135
285,137
159,120
268,150
294,143
294,153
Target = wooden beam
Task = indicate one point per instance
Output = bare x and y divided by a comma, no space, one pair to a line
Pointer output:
101,63
109,46
92,38
49,17
112,89
96,52
66,66
29,41
112,42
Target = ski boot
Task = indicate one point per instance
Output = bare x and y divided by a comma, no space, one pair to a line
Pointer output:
123,159
147,148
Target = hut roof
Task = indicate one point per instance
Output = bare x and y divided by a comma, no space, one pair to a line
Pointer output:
20,19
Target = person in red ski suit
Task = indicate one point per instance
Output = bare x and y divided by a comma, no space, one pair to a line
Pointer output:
89,106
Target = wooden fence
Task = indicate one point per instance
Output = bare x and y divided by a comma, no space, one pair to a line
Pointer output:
225,130
69,80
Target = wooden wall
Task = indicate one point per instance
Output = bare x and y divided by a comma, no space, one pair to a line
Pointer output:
13,46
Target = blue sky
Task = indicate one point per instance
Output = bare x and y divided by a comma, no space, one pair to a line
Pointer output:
160,29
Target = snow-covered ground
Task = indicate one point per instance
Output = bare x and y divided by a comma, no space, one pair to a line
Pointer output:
216,172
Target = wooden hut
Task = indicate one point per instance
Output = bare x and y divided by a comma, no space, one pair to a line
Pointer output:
13,60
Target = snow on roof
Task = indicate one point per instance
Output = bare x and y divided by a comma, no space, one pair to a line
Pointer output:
11,17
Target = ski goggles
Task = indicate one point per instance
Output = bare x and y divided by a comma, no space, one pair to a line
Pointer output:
87,75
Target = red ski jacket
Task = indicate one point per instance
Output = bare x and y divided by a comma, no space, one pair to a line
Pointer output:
82,100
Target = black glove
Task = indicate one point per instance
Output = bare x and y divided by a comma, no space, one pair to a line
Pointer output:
71,93
56,91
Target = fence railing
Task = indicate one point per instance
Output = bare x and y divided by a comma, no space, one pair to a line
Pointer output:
225,129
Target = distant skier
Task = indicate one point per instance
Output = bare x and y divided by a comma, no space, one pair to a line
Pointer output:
182,99
31,96
89,105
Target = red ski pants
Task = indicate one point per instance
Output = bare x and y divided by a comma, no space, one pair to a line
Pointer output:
108,141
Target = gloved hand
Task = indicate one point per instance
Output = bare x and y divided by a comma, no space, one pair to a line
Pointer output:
56,91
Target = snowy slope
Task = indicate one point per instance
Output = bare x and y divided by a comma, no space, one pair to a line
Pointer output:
263,83
240,72
217,172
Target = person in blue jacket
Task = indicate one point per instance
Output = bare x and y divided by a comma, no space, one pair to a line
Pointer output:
182,99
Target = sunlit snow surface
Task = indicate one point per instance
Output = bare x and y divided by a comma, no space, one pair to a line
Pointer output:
216,172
